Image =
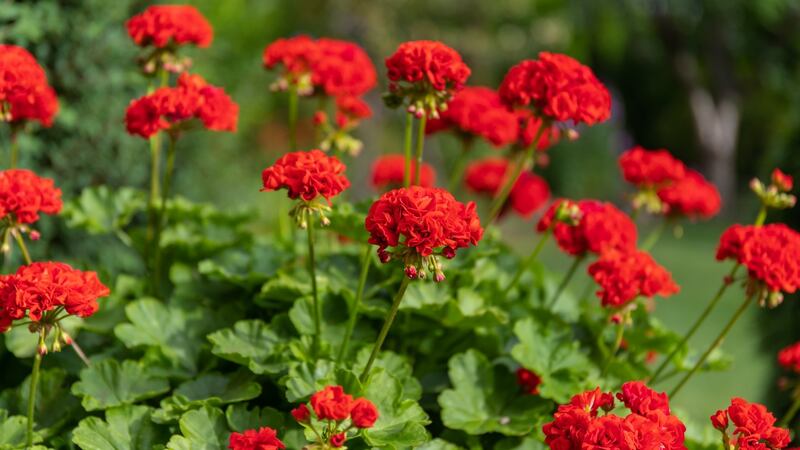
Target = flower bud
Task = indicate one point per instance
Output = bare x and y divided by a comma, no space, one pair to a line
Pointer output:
301,413
384,256
324,221
448,253
338,440
572,134
34,235
41,348
616,318
782,181
720,420
320,118
67,339
411,272
438,276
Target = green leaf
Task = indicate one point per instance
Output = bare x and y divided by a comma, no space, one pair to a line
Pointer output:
99,210
438,444
486,399
402,421
54,403
253,344
210,389
397,365
108,383
126,428
13,431
554,355
348,220
201,429
112,309
306,378
240,418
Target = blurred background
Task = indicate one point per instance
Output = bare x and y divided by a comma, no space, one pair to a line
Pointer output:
714,81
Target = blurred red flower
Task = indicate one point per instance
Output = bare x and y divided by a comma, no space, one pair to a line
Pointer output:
164,25
24,89
389,171
24,195
306,175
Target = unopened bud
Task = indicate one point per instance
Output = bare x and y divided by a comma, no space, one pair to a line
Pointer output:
782,181
572,134
448,253
773,299
411,109
384,256
324,221
616,318
438,276
34,235
419,113
67,339
320,118
411,272
41,348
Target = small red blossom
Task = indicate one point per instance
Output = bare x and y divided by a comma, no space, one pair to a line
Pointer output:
642,400
24,195
331,403
557,87
754,426
782,181
24,90
364,413
338,440
789,357
306,175
43,286
691,196
193,98
528,381
487,176
389,171
301,413
624,276
600,226
430,63
650,168
264,438
528,128
477,112
165,25
350,110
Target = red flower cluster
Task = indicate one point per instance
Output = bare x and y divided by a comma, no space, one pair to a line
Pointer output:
43,286
624,276
193,98
528,128
333,404
691,196
529,381
558,87
771,254
650,168
428,62
264,438
306,175
599,227
25,195
423,220
338,68
23,87
789,357
478,111
165,25
350,110
389,171
754,426
650,424
487,176
782,181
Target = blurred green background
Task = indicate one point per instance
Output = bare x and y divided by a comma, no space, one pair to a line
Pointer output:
714,81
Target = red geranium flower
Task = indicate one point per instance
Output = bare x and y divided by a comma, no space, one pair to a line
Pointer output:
754,426
529,381
338,440
598,227
44,286
557,87
529,193
331,403
430,63
24,195
301,413
168,107
650,168
306,175
364,413
296,54
264,438
165,25
24,90
782,181
789,357
477,111
389,170
624,276
350,110
691,196
528,128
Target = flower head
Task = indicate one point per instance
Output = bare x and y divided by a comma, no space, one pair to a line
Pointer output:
389,171
691,196
754,426
782,181
301,413
331,403
164,25
24,91
528,381
364,413
557,87
789,358
487,176
650,168
477,112
24,195
350,110
306,175
598,227
625,275
264,438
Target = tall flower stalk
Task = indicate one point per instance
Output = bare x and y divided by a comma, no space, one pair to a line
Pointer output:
387,325
407,137
366,262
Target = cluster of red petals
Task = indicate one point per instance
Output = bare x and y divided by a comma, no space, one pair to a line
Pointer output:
650,168
624,276
754,426
650,424
528,130
42,286
24,195
389,171
558,87
789,357
782,181
306,175
332,403
487,176
264,438
23,87
351,109
771,254
428,62
691,196
529,381
478,111
338,68
164,25
422,219
192,98
600,227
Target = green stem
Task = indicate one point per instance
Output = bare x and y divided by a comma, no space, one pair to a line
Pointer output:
713,345
565,281
362,282
762,216
162,219
655,235
312,272
420,146
703,316
407,149
14,148
293,118
37,363
527,263
22,247
386,325
787,418
615,349
461,164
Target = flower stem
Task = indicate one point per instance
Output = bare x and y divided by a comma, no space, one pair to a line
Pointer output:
787,418
420,146
37,363
565,281
312,272
386,325
407,149
162,218
527,263
14,148
461,164
615,348
655,235
293,118
22,247
762,216
713,345
362,282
